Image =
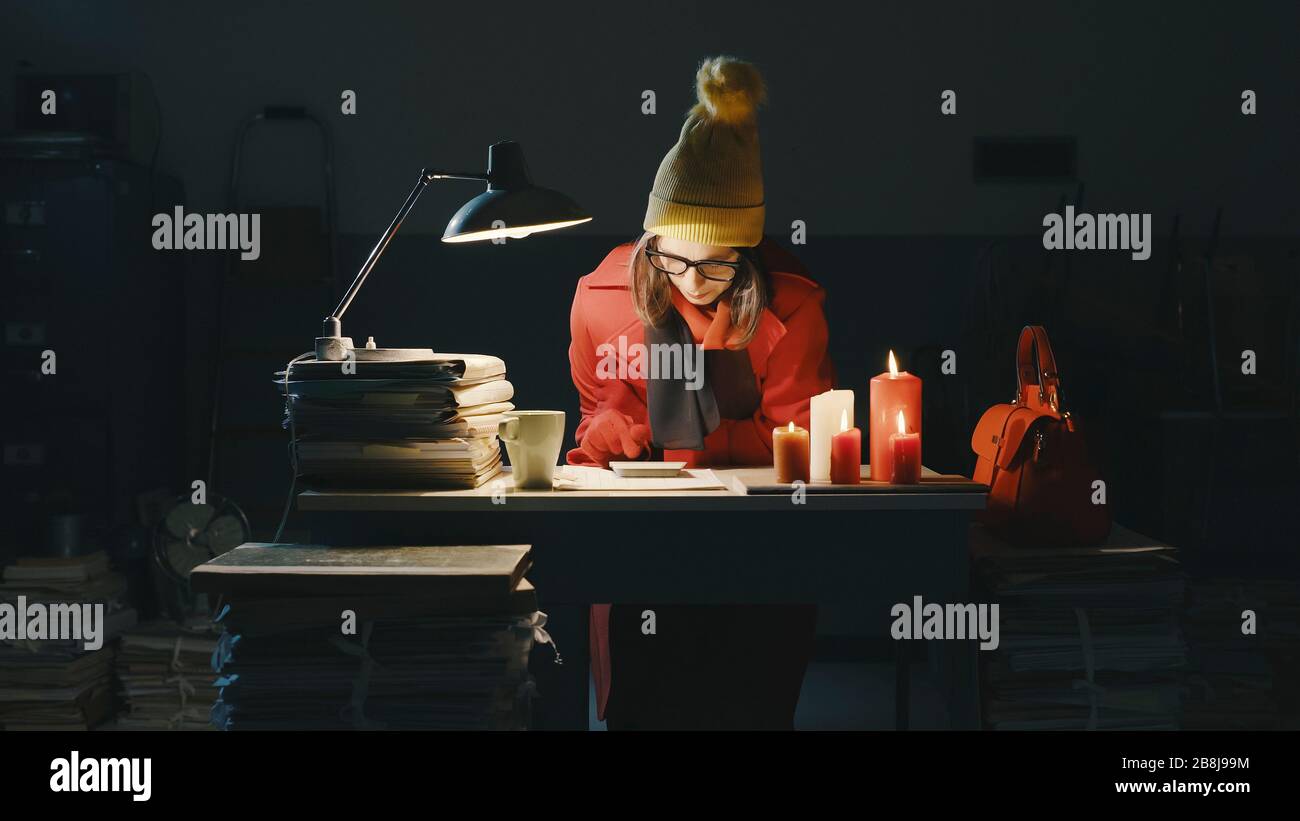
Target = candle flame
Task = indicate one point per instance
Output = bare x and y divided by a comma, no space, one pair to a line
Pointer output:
844,420
902,425
893,364
792,426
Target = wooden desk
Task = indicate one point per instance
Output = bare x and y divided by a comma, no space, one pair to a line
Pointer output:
867,550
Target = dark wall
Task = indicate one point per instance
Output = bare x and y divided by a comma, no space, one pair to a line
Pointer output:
853,139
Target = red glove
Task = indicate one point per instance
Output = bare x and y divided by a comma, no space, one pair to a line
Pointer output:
611,434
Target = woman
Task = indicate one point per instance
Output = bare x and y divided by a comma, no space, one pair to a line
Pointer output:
701,275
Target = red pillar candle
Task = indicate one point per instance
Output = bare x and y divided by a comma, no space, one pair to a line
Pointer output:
790,454
846,453
891,393
905,455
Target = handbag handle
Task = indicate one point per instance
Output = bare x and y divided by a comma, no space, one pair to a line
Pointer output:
1033,339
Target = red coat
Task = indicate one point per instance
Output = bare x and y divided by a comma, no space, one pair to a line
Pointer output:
789,358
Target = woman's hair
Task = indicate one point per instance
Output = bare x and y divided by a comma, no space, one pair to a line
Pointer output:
750,291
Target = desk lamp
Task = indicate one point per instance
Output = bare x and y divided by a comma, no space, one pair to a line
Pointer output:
511,207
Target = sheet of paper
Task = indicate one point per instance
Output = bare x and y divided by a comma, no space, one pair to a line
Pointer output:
581,477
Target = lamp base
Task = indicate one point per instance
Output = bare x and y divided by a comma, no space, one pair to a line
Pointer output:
339,348
333,348
394,354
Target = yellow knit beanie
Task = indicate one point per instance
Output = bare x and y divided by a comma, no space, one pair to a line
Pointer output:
709,188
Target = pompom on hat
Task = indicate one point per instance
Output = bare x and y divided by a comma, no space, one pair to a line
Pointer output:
709,188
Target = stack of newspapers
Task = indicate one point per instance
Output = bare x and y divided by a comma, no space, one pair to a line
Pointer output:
426,423
164,675
410,637
1089,638
56,653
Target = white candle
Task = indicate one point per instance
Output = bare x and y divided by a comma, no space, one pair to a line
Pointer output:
826,410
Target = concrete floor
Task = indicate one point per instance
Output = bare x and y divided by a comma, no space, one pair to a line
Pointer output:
847,696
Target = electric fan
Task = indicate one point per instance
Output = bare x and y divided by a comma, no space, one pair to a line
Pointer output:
189,534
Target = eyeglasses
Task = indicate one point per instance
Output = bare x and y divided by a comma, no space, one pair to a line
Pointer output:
715,270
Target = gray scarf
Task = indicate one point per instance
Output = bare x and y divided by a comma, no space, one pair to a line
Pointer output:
680,417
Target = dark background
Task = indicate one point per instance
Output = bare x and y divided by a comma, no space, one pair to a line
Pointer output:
916,255
854,144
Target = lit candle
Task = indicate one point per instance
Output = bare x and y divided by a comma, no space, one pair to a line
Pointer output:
891,393
825,411
846,453
905,455
790,454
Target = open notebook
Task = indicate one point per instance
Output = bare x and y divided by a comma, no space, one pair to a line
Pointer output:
581,477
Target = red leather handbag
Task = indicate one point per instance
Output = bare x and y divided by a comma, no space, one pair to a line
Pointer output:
1035,460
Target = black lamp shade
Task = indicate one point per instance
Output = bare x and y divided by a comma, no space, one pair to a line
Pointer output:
512,206
514,214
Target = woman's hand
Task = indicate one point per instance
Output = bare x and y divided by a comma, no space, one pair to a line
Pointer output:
611,434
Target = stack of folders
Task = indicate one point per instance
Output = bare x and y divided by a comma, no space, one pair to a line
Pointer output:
428,423
164,675
373,638
1243,636
1089,637
57,682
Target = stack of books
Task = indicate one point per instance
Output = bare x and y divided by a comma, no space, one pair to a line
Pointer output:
1089,637
1240,680
164,675
427,423
55,682
373,638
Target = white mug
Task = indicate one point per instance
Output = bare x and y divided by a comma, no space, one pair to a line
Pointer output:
533,440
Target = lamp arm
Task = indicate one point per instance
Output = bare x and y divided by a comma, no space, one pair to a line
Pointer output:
437,174
427,175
